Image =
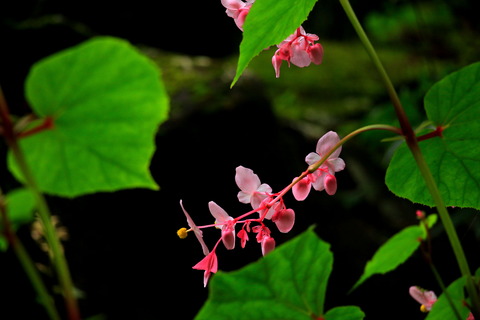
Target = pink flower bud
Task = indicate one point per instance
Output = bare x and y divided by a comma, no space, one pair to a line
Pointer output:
330,184
284,219
268,244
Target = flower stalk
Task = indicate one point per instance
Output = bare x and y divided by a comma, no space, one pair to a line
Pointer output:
412,144
57,257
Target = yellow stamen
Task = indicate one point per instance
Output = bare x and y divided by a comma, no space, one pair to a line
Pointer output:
423,308
182,233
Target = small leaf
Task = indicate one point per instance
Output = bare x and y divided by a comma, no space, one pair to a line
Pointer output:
442,309
396,250
454,159
20,206
107,101
268,23
345,313
288,283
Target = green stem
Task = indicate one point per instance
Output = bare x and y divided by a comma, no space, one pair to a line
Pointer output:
57,256
412,143
28,266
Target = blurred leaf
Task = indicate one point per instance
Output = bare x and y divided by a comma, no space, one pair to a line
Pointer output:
454,159
268,23
106,100
288,283
396,250
345,313
442,310
20,206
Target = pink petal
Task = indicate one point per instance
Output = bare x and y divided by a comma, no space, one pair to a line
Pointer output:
243,235
268,244
246,180
330,184
220,215
301,189
316,53
209,264
228,238
327,142
426,298
299,55
277,63
198,233
284,219
233,4
312,157
336,164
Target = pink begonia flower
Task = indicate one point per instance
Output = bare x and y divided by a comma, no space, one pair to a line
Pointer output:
268,244
424,297
252,190
300,49
196,230
226,222
238,10
284,219
209,264
324,177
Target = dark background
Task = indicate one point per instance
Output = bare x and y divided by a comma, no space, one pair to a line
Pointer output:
124,255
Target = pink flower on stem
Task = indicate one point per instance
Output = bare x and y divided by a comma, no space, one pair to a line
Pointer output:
284,219
226,222
424,297
300,49
252,190
237,10
263,237
209,264
324,177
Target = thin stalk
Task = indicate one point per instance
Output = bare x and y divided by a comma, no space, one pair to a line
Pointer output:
28,266
412,143
57,256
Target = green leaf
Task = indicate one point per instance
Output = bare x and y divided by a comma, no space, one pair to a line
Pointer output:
454,159
345,313
268,23
107,101
288,283
396,250
442,309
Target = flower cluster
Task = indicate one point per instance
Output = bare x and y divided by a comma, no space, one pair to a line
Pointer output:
427,299
266,205
299,48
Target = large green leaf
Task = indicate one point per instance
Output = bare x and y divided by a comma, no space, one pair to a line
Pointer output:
396,250
268,23
288,283
106,100
454,159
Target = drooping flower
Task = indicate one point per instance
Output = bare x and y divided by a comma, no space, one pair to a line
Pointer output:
252,190
424,297
226,222
209,264
198,233
238,10
324,177
263,237
300,49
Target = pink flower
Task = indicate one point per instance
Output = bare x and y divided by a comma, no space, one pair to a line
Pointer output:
196,230
324,177
300,49
209,264
227,224
424,297
237,10
263,237
252,190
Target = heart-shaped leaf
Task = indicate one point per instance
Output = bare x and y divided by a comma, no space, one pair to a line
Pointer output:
106,101
288,283
452,104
